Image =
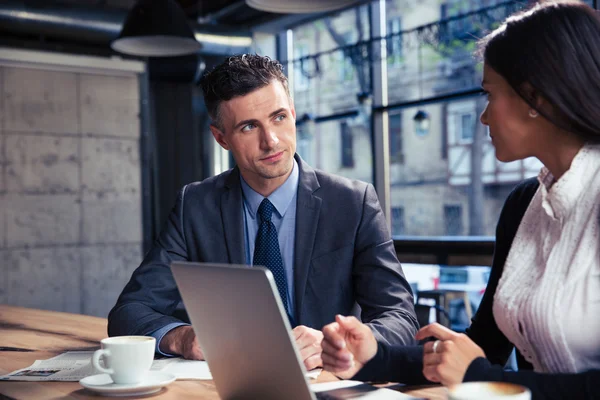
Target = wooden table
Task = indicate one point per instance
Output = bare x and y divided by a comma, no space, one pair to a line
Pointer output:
27,335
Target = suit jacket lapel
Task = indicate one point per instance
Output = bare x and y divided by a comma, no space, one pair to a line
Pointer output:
307,218
233,220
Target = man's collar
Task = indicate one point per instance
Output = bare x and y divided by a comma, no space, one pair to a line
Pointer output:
281,198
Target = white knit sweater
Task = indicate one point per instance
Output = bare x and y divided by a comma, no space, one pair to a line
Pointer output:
548,299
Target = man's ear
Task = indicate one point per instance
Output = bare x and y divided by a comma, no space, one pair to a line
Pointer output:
219,136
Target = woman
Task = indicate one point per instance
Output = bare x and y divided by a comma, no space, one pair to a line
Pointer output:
542,78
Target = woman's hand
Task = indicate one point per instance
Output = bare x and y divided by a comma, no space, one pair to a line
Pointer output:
446,360
347,345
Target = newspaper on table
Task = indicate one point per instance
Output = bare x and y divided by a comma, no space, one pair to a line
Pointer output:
73,366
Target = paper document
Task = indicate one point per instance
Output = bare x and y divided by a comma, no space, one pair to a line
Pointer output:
73,366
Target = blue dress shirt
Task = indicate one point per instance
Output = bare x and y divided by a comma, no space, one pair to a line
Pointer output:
284,219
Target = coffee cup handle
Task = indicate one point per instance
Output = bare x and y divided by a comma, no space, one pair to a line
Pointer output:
96,361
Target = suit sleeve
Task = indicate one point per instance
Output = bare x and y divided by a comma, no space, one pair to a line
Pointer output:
380,287
149,300
483,329
403,364
583,386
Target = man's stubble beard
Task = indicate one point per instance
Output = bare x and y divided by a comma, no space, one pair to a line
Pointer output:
282,170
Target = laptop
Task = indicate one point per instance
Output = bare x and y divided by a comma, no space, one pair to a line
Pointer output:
247,340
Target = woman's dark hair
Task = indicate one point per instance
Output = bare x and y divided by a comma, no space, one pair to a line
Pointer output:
552,51
237,76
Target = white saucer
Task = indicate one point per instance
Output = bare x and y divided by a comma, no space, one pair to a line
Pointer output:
102,384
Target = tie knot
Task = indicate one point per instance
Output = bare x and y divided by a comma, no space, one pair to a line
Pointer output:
265,210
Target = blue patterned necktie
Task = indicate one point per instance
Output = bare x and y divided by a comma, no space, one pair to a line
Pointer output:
266,250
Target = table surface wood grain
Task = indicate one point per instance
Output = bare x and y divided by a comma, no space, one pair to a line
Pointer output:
28,334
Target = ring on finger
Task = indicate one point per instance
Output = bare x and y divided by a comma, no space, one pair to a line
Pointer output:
435,346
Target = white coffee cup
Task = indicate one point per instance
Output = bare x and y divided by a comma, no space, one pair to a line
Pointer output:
488,391
127,358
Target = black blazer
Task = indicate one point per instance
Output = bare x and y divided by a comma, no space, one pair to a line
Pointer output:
343,255
405,364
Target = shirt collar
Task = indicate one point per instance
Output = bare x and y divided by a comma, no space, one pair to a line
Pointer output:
280,198
560,196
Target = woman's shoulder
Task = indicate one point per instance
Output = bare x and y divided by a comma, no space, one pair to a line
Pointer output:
523,192
515,206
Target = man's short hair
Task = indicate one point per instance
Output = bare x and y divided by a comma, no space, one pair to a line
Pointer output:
237,76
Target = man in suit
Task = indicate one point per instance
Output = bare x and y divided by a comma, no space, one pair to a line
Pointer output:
324,237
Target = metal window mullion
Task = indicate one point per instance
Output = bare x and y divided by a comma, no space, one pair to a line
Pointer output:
379,120
285,55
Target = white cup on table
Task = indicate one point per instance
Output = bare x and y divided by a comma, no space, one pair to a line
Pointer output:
127,358
488,391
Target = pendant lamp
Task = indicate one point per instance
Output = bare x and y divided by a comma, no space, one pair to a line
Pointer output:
156,28
299,6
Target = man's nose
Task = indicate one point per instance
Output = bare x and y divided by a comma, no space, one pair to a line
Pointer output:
271,139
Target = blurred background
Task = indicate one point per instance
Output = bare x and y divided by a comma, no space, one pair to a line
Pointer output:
97,138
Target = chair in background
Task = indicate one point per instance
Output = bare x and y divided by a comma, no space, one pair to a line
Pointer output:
441,301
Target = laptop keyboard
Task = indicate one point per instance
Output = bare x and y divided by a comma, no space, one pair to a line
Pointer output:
363,391
325,396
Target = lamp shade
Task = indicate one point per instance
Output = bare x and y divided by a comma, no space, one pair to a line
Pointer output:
156,28
421,116
421,119
299,7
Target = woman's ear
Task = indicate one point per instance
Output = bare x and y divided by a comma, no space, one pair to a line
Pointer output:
532,96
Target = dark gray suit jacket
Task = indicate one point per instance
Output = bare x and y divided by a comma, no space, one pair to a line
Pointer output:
343,255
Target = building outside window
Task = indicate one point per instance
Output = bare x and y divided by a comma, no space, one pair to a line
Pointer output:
453,220
395,56
426,170
396,150
347,147
398,221
301,80
337,141
345,67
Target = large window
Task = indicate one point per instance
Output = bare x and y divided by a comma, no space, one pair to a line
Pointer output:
449,182
335,100
444,178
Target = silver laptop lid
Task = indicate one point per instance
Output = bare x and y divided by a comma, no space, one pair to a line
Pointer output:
243,331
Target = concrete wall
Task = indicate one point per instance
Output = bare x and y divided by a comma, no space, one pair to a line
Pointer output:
70,192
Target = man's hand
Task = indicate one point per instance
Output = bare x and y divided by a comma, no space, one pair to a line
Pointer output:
446,360
308,341
182,341
347,346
